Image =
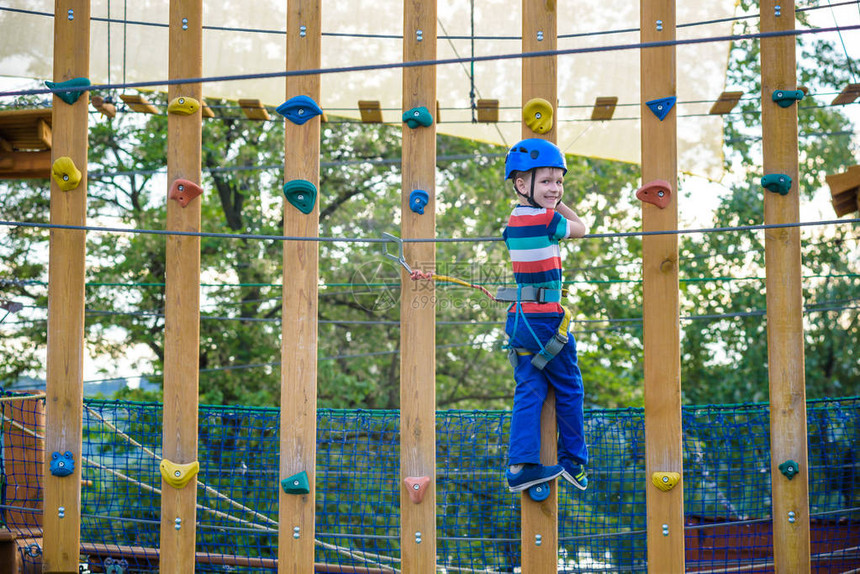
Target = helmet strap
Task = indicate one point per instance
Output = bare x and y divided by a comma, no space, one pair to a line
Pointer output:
531,195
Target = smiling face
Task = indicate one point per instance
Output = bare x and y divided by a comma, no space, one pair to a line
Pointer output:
548,186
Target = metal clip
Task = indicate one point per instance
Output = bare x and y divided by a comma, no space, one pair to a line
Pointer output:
388,238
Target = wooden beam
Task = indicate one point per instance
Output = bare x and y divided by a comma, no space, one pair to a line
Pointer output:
725,103
66,271
417,317
848,94
25,165
205,110
371,111
786,370
540,80
139,103
604,108
488,111
182,293
105,107
254,110
300,305
661,315
25,130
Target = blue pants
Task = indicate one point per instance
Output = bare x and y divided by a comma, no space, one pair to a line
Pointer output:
563,375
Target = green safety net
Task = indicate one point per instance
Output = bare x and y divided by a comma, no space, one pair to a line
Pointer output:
726,481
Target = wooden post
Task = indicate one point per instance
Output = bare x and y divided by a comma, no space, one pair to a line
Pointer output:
67,253
417,302
540,80
182,308
784,297
661,316
299,310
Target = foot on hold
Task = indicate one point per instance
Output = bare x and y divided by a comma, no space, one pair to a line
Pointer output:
575,474
529,475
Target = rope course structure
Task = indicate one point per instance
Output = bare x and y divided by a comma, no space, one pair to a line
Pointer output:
178,487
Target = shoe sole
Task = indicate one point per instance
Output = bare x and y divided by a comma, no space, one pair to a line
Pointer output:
566,475
527,485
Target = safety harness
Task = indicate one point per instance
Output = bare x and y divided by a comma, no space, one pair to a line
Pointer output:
531,294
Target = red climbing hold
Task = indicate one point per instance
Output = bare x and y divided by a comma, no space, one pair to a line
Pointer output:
416,486
184,191
657,192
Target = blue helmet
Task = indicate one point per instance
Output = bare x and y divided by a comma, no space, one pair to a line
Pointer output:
531,153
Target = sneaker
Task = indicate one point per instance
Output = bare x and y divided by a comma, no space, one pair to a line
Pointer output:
530,475
575,474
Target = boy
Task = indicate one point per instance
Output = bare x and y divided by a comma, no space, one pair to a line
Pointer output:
542,352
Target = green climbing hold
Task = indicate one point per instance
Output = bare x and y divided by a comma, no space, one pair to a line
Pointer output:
777,183
789,468
60,89
302,194
297,484
787,97
416,117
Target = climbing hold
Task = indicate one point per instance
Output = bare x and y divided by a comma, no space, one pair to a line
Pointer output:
178,475
537,114
777,183
184,191
299,109
302,194
60,89
787,97
417,117
661,107
789,468
417,200
416,486
62,464
539,493
115,565
297,484
657,192
183,106
665,481
67,176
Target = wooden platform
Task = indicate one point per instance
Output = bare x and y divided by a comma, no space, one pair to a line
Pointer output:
25,143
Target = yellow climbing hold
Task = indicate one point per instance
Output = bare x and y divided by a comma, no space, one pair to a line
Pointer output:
178,475
537,114
665,481
183,105
67,176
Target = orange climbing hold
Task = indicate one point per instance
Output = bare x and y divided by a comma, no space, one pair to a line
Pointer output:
657,192
417,486
184,191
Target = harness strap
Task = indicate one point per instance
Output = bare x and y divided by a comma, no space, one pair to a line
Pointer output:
548,351
529,294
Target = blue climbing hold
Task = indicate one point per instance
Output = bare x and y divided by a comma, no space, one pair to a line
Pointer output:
784,98
777,183
418,199
60,89
62,464
299,109
539,492
661,107
301,194
417,117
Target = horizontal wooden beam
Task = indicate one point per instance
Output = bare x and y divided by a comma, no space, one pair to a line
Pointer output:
725,103
848,94
254,110
845,190
25,130
25,164
139,103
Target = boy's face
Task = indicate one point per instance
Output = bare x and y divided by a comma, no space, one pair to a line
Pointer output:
548,189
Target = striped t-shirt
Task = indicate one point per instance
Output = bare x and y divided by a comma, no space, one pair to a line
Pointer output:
532,236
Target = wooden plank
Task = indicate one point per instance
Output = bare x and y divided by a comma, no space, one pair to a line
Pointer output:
105,107
843,181
299,336
662,355
205,110
371,111
182,292
725,103
786,371
417,316
539,80
26,130
848,94
604,108
66,269
25,164
254,110
139,103
488,111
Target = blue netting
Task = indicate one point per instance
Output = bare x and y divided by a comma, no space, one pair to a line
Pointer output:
726,486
